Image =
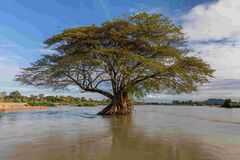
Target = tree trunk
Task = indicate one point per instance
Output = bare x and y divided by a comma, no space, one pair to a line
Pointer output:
120,105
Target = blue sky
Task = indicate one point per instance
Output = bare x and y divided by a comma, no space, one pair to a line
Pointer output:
212,26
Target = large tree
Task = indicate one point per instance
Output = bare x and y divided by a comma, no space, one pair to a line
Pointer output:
121,59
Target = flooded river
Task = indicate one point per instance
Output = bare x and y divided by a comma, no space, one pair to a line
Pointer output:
151,133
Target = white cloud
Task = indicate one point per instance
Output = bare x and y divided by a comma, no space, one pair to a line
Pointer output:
224,58
218,25
215,21
214,34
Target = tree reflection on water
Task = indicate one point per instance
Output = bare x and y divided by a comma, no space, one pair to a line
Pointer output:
121,141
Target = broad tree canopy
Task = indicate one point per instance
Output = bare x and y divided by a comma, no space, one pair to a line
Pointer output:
136,55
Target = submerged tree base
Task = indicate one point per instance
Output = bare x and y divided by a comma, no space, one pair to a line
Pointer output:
117,109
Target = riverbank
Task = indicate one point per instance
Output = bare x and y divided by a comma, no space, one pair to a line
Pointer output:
11,107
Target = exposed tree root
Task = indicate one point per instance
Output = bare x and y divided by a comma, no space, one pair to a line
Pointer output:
117,109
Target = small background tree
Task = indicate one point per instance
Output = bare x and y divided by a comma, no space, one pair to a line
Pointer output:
2,95
227,103
123,58
16,96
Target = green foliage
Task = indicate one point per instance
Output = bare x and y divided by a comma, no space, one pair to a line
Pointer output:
38,103
15,95
51,101
133,56
188,103
209,102
33,98
229,104
89,104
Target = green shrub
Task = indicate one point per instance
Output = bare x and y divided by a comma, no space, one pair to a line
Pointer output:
88,104
36,103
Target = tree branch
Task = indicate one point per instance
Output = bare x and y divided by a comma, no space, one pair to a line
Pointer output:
86,88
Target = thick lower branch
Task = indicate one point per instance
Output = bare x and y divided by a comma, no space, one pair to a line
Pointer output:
107,94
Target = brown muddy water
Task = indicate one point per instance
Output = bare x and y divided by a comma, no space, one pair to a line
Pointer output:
151,133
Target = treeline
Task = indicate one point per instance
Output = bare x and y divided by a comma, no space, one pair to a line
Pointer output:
150,103
227,103
230,104
42,100
189,103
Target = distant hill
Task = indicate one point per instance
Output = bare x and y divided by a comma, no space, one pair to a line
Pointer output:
213,101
